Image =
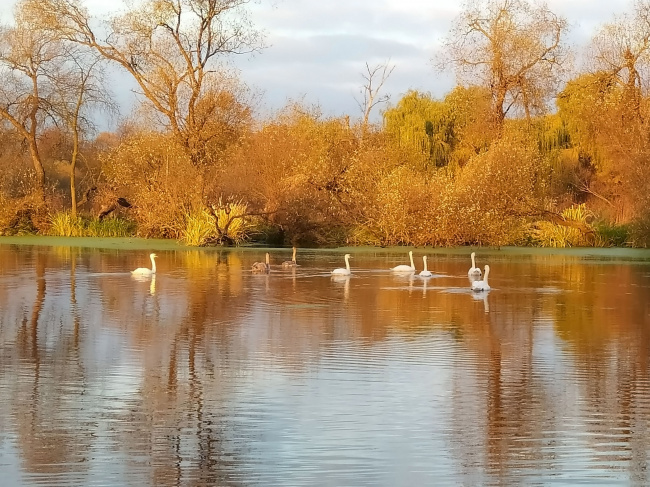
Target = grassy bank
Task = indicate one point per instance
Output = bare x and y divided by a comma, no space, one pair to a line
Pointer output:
128,243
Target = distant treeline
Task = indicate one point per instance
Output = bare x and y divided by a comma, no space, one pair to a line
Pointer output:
515,154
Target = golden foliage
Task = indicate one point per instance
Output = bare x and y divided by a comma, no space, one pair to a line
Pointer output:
548,234
231,225
157,176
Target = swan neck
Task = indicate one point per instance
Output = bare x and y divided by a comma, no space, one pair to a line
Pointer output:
412,263
294,254
153,264
473,261
347,262
425,263
485,277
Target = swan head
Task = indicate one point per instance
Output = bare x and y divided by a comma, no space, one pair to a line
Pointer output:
473,255
347,256
153,256
487,269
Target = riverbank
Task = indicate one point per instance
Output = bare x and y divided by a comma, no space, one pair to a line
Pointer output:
128,243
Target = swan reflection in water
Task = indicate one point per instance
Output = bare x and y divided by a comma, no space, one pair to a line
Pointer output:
482,296
151,279
342,279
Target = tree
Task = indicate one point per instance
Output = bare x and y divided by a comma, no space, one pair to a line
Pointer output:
172,49
77,92
28,56
513,47
621,49
424,124
372,86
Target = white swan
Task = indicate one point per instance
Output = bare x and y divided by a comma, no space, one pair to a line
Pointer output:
483,284
426,272
292,262
143,271
261,267
474,271
343,271
404,267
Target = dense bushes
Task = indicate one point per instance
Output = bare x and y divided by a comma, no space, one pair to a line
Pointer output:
300,177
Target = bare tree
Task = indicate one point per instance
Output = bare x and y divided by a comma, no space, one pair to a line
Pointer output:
172,49
374,79
621,50
27,55
78,96
513,48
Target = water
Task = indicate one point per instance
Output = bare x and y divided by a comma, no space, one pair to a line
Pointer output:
210,375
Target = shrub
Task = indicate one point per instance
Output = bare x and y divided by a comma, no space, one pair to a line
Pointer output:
199,228
63,224
549,234
229,224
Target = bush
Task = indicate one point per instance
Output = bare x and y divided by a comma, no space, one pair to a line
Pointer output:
611,235
232,225
549,234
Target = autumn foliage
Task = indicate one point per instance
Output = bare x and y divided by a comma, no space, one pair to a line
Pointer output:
518,156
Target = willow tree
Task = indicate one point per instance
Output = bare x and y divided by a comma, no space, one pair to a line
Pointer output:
172,49
514,48
424,124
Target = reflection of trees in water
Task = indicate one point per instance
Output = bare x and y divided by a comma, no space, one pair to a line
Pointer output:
606,331
50,378
191,334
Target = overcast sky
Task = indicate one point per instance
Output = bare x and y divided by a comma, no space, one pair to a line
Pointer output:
318,48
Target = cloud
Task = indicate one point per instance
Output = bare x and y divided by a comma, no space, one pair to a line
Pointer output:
318,49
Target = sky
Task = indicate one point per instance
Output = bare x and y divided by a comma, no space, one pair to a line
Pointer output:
317,50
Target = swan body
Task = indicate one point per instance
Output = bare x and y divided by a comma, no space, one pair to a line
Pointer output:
292,262
474,271
404,267
426,272
262,267
343,271
144,271
482,285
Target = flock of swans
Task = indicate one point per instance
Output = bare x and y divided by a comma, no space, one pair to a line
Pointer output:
478,280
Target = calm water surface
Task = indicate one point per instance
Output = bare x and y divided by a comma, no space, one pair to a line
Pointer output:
210,375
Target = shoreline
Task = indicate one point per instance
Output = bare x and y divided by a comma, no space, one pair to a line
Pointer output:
136,243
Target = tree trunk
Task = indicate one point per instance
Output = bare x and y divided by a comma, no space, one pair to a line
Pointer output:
73,164
38,167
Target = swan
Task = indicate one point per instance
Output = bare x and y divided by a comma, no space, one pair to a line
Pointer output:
341,271
261,267
292,262
143,271
474,271
426,272
482,285
404,267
